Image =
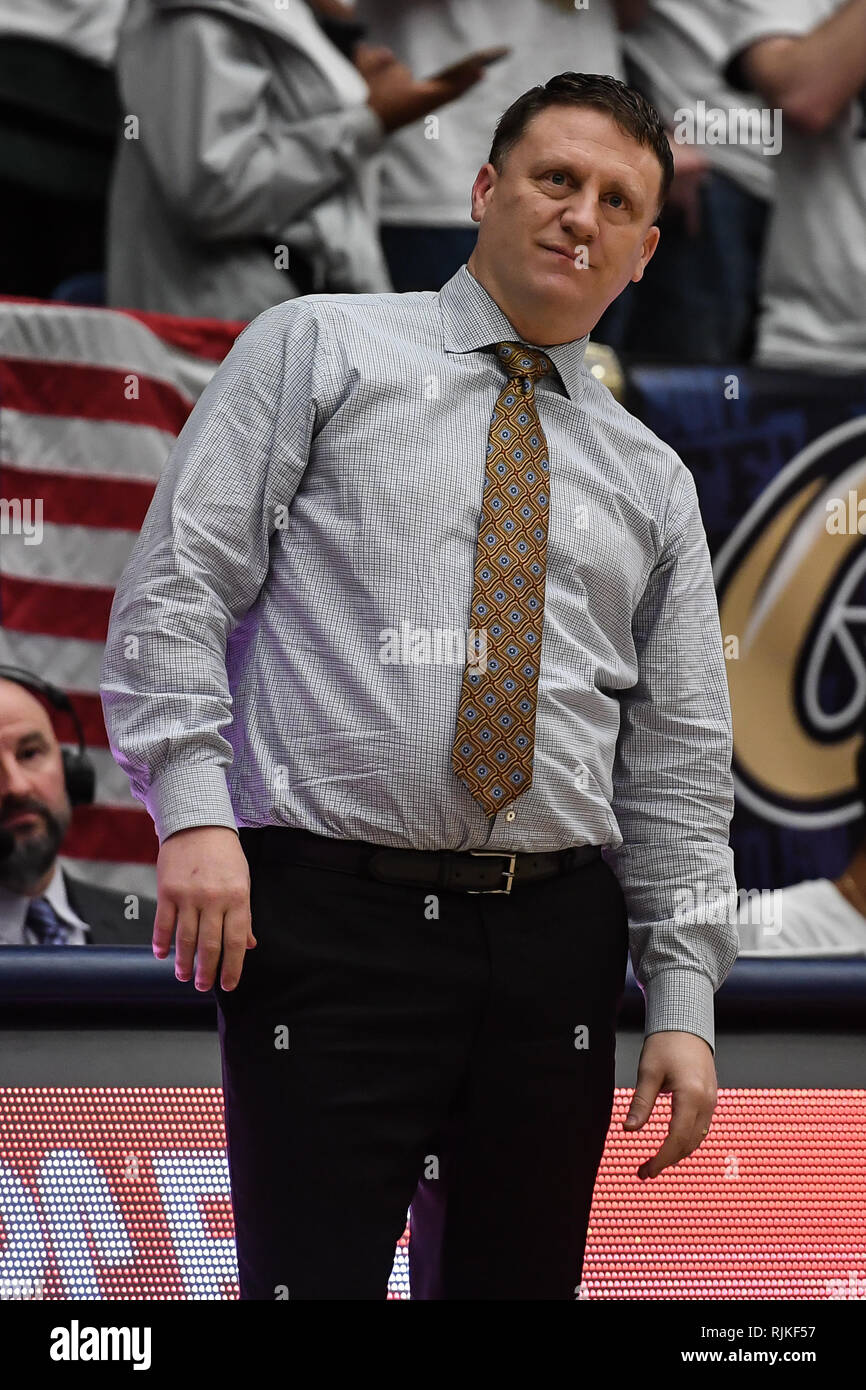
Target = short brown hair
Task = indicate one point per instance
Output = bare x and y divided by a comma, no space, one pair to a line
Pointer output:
632,112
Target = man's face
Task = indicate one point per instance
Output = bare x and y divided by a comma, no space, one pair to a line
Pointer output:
573,180
34,806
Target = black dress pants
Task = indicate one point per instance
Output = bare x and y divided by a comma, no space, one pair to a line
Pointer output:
387,1045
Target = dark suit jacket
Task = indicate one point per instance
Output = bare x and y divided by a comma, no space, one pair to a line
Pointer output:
103,911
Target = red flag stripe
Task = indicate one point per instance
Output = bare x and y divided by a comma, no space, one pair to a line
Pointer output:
92,393
56,610
88,707
211,338
81,499
117,834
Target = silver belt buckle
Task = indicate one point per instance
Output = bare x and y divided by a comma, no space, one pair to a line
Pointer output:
509,872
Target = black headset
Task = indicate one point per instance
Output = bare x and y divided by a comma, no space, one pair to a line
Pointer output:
78,770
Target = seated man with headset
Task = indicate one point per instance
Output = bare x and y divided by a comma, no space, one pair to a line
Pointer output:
40,904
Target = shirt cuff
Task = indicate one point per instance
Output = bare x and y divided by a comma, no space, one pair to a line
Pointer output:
680,1001
189,795
370,130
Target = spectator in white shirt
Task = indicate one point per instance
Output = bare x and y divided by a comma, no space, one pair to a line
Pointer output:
426,227
818,917
808,59
698,303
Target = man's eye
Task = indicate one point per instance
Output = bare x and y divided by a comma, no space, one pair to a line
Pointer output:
621,200
557,175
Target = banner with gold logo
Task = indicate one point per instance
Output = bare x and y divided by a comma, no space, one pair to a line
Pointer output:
779,462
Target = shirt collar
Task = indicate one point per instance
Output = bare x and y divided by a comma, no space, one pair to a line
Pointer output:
59,898
472,319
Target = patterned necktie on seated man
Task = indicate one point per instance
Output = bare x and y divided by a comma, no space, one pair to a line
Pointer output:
47,927
494,745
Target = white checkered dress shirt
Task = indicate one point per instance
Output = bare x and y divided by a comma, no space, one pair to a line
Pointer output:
288,639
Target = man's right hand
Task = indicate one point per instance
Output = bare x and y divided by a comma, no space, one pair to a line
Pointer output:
203,886
399,98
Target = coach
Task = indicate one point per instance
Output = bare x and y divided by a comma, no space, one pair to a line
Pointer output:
443,849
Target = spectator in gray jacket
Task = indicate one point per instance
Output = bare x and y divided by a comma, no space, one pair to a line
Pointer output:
244,172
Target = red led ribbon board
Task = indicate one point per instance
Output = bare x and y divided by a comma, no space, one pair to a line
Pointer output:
124,1194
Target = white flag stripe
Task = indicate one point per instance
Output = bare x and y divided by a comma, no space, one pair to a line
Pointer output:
69,444
91,337
72,554
112,783
69,662
102,338
190,373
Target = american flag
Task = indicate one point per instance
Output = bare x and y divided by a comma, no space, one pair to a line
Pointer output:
91,400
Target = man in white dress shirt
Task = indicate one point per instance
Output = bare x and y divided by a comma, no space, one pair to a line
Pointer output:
460,1039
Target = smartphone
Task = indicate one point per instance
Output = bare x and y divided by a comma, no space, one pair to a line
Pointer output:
483,58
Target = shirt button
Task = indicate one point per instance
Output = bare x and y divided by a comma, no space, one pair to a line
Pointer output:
509,815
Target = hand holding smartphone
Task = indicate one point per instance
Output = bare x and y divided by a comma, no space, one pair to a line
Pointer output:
481,59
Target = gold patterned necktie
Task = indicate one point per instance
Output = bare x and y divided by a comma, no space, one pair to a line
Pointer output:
494,745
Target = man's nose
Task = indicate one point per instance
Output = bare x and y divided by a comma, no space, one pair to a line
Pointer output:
580,216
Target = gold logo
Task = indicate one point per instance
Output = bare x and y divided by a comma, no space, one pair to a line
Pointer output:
792,605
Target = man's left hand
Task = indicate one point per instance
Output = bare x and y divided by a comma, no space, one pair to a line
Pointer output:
682,1064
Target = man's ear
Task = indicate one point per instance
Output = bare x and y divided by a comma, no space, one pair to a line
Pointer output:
650,242
482,188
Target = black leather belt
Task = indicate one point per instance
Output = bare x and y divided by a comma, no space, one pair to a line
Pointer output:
467,871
